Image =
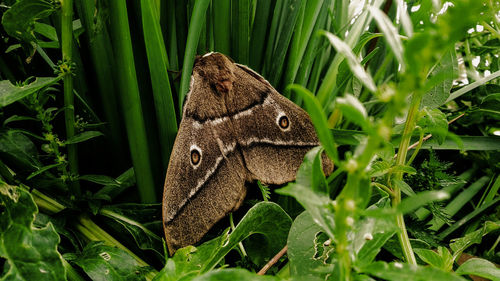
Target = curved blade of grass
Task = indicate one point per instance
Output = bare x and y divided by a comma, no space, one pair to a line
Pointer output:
356,67
299,43
459,201
162,93
468,217
319,120
472,86
195,26
290,14
390,33
131,101
405,18
330,78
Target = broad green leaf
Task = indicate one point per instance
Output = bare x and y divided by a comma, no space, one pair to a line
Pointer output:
83,137
368,236
390,34
310,172
356,67
103,263
27,253
353,110
46,30
435,122
447,69
233,274
139,220
100,179
412,203
10,93
18,151
379,168
19,20
265,218
441,258
481,268
307,249
319,120
397,271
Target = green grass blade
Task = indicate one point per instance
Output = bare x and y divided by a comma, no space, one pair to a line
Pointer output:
459,201
474,85
272,36
319,120
356,67
171,34
311,49
259,32
162,94
243,32
195,27
181,27
493,191
222,26
99,47
423,213
467,218
131,101
286,27
390,33
329,82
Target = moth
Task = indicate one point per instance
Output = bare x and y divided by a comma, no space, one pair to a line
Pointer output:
235,128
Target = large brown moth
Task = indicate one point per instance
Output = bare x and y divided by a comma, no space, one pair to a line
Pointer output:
235,128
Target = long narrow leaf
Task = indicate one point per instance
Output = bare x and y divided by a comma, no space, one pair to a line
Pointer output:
195,26
162,93
131,101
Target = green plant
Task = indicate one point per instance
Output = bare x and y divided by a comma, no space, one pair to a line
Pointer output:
392,88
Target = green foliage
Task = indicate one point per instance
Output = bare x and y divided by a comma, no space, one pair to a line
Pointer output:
384,83
102,262
27,252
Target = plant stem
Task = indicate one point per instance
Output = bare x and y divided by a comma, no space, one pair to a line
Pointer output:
69,111
404,240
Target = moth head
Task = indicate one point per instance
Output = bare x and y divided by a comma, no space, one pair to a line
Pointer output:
195,156
283,121
217,70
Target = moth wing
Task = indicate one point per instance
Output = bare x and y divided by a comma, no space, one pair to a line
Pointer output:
275,134
196,197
